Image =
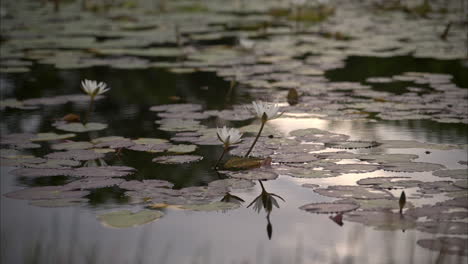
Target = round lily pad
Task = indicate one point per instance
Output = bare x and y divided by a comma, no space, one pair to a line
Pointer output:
382,220
179,159
45,193
80,128
72,145
51,136
351,144
356,192
176,108
387,158
92,183
75,155
59,202
326,208
182,148
214,206
233,184
255,174
150,141
317,135
456,174
127,218
306,172
389,182
145,184
412,166
53,163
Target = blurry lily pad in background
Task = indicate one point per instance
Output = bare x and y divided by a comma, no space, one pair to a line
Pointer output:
80,128
126,218
179,159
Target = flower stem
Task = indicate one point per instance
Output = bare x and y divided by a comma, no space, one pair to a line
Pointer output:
220,158
256,138
90,109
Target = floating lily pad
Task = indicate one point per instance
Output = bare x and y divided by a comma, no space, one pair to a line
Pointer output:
456,174
92,183
115,144
388,158
145,184
51,136
45,193
382,220
350,168
179,159
79,154
152,148
214,206
294,158
150,141
179,125
306,172
53,163
412,166
255,174
351,144
447,245
438,187
326,208
59,202
176,108
317,135
182,148
241,163
72,145
416,144
233,184
355,192
80,128
127,218
389,182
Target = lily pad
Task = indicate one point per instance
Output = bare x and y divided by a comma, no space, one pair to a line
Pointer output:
214,206
179,159
72,145
182,149
92,183
145,184
150,141
351,144
389,182
79,154
179,125
53,163
306,172
416,144
70,202
176,108
241,163
456,174
412,166
51,136
317,135
326,208
255,174
232,184
45,193
382,220
127,218
80,128
355,192
387,158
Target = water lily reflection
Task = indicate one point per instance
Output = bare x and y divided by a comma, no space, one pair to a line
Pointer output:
229,198
266,201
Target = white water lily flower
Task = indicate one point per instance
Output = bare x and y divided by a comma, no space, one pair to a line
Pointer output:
228,136
94,88
271,110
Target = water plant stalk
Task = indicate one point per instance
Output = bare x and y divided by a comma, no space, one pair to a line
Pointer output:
90,109
264,119
221,157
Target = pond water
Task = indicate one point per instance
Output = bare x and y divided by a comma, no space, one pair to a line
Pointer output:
359,117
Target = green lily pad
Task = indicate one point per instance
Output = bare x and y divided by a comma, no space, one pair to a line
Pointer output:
412,166
59,202
179,159
317,135
232,184
127,218
387,158
150,141
351,144
382,220
456,174
53,163
255,174
77,154
241,163
72,145
45,193
182,149
214,206
51,136
80,128
389,182
355,192
327,208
